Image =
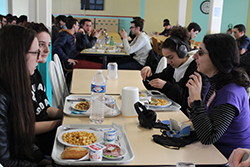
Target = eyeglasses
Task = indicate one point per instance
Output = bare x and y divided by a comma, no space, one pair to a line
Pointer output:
37,53
201,53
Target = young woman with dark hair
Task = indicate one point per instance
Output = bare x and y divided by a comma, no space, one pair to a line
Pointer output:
172,80
222,117
19,54
47,118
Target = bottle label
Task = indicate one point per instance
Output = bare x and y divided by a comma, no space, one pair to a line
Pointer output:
98,88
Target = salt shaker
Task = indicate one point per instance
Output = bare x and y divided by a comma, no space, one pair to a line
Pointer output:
112,70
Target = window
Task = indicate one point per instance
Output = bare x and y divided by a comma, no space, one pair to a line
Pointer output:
92,4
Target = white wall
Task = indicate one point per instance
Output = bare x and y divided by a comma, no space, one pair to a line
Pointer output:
20,7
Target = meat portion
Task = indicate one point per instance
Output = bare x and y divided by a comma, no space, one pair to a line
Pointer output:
112,150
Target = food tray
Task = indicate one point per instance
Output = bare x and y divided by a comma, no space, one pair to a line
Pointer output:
67,107
124,142
156,94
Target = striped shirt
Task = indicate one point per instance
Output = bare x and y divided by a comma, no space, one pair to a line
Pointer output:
210,128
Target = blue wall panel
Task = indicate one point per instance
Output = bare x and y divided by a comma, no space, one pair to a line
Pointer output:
234,12
3,7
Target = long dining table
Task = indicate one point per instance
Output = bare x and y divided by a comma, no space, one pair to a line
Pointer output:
81,81
146,151
104,55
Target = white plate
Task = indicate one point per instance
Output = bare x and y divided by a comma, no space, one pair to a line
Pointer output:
169,103
76,109
123,152
99,136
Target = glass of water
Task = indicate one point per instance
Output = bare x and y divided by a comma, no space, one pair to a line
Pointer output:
112,70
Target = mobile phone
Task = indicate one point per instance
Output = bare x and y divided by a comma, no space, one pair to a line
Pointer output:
244,157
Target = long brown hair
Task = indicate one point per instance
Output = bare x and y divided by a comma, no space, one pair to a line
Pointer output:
15,42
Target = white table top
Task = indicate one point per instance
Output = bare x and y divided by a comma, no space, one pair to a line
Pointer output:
147,152
81,81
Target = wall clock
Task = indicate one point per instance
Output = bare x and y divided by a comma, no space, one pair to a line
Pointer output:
205,6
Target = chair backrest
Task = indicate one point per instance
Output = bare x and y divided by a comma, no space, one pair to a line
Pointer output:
61,76
55,84
191,41
197,43
152,60
155,44
161,65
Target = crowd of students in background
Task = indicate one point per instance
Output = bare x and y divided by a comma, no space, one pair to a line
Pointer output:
10,19
210,83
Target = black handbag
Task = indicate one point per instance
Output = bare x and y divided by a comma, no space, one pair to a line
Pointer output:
146,117
174,142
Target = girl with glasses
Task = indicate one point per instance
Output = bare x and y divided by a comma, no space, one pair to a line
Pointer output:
221,117
17,118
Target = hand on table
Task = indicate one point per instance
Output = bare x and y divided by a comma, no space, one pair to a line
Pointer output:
146,72
236,156
157,83
194,85
72,61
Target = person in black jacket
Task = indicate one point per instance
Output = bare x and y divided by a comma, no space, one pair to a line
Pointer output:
167,26
245,61
65,45
19,54
85,38
172,80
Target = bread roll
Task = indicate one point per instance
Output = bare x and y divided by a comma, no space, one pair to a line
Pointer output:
74,152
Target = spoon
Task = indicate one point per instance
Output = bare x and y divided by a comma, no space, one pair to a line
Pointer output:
65,128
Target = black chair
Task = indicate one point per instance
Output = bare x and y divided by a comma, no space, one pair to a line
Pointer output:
153,60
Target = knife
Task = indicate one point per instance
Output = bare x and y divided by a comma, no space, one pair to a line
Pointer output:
79,99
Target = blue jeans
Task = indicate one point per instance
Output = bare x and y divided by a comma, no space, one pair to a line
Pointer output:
128,63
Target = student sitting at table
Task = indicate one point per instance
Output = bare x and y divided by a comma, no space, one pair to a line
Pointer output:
65,46
193,29
140,46
172,80
19,54
167,26
242,40
83,37
132,36
61,21
221,117
47,118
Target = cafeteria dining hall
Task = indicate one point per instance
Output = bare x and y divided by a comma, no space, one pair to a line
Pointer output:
125,83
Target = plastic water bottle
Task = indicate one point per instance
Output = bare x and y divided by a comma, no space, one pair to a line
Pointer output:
111,41
98,89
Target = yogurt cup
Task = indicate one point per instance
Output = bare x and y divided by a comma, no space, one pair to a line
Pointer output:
109,135
95,153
